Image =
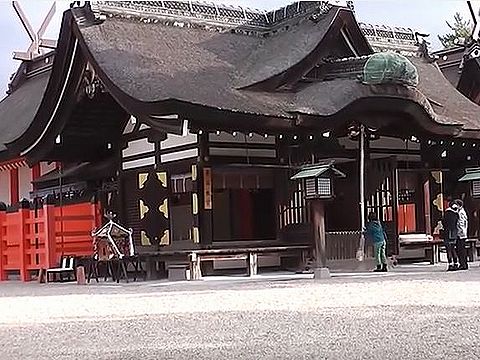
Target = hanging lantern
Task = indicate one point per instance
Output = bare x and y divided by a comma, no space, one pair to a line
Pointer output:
318,180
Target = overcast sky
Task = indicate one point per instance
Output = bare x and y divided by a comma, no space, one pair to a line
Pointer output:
427,16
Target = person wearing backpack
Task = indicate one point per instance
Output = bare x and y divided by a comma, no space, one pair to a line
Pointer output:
376,234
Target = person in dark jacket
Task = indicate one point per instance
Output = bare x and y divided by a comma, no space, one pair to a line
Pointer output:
450,235
376,234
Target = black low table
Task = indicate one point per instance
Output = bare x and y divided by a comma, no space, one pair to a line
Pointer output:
115,268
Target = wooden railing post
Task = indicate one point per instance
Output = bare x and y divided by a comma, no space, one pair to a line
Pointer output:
24,214
3,218
50,233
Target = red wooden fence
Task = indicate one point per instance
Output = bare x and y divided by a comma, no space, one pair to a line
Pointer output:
35,239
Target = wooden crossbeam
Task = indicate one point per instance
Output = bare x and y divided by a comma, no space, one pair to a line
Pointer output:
37,39
476,25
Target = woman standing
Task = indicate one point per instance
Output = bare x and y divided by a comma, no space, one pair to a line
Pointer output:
376,234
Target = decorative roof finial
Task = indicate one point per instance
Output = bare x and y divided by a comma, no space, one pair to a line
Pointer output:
37,39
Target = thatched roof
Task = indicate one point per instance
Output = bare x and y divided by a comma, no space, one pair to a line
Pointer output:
237,65
201,64
18,109
193,62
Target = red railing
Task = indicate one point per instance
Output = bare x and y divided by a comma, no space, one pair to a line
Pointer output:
35,239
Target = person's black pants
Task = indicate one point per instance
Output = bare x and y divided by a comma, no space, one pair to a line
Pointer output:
462,253
451,253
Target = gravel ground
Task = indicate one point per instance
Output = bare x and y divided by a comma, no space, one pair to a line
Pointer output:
406,314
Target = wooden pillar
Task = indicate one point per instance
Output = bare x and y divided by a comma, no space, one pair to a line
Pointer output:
206,206
35,171
245,205
14,186
427,207
50,234
3,219
395,209
318,221
205,195
196,189
24,214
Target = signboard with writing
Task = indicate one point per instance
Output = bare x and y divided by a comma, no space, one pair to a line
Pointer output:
207,188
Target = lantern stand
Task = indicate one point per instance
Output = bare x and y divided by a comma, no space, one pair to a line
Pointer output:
318,190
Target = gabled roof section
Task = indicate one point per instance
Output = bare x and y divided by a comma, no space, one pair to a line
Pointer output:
196,53
273,56
151,63
469,82
155,59
315,37
23,99
438,104
57,98
450,62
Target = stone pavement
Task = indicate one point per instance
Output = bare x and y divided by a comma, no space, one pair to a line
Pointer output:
413,312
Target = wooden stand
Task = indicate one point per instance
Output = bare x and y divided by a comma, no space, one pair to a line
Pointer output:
318,220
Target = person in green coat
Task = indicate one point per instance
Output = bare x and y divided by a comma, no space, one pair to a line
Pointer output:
376,234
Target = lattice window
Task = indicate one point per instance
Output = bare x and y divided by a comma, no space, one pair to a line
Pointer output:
324,186
381,202
181,183
476,188
296,210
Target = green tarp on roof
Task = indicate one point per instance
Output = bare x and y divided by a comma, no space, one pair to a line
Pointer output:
389,67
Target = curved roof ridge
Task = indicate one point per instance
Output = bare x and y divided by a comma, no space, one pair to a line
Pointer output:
385,37
398,29
227,15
